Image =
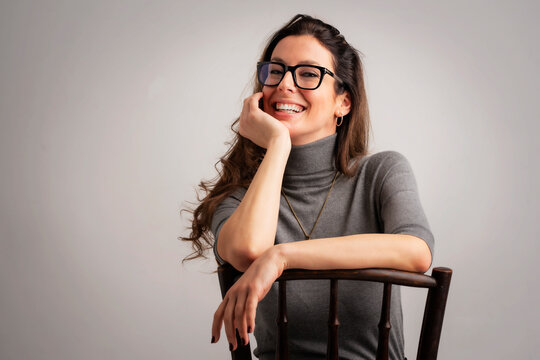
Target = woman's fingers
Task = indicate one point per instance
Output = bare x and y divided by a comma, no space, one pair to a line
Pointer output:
218,319
238,309
228,320
254,100
232,312
240,317
257,125
251,106
251,309
251,103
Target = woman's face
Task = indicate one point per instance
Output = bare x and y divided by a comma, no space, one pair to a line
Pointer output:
319,107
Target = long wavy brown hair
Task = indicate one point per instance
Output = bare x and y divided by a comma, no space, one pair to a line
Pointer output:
238,166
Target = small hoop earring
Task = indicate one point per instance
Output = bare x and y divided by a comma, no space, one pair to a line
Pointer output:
340,122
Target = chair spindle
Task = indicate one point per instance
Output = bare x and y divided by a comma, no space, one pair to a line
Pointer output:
283,342
384,324
333,322
433,314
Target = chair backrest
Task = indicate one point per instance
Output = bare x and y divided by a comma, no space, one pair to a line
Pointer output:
438,284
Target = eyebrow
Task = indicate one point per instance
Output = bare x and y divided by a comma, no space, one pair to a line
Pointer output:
304,62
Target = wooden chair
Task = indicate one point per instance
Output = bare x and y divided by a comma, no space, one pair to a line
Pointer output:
438,284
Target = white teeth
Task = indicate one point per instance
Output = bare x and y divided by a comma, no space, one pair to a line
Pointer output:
289,107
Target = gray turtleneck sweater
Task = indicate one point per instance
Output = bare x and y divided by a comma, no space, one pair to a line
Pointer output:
381,198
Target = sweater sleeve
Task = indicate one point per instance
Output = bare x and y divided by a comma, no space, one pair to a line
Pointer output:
223,211
399,207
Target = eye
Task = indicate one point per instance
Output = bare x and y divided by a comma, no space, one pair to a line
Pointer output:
309,73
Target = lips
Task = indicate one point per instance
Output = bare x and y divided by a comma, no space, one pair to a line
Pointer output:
288,107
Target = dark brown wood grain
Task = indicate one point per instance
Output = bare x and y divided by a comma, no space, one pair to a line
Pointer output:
396,277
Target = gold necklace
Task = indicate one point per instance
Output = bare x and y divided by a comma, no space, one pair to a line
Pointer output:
320,212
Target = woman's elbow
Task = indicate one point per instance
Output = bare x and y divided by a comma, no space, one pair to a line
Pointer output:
240,249
422,257
242,258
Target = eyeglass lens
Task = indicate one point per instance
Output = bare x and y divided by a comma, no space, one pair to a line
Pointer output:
306,77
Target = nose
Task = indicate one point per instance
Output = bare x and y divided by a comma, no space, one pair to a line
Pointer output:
287,83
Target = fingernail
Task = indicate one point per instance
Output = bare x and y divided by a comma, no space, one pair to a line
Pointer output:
213,340
244,341
230,347
249,329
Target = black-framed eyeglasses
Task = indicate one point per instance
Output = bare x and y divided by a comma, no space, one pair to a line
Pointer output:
307,77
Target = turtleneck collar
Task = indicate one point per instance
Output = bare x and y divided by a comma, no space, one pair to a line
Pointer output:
312,164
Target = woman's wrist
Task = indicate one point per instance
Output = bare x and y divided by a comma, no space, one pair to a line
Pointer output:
278,256
282,141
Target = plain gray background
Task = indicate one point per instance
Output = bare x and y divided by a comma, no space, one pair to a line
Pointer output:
113,111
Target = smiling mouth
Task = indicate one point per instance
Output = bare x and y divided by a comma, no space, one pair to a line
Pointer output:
288,108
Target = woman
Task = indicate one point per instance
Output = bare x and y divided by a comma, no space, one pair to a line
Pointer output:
298,190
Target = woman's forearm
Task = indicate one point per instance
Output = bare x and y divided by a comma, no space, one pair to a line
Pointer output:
395,251
251,229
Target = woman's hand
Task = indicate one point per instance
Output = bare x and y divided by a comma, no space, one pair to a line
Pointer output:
258,126
238,308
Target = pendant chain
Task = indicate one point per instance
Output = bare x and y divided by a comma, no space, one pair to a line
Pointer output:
320,212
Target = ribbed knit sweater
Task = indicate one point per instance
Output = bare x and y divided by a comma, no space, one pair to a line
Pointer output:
382,197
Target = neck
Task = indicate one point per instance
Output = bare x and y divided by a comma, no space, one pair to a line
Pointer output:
312,164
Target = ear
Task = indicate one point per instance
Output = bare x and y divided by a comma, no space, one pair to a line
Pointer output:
343,104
